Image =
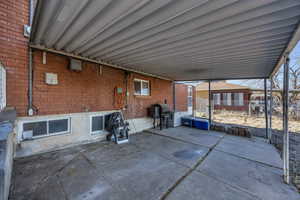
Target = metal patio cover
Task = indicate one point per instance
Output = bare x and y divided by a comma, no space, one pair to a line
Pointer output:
175,39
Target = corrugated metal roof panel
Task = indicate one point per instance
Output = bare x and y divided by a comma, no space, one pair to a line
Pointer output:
179,39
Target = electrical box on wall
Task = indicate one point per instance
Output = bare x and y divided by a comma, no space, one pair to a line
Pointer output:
51,79
75,65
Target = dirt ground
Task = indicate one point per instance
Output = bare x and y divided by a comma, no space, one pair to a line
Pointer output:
229,117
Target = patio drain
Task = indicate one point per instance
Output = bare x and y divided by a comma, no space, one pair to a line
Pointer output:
187,154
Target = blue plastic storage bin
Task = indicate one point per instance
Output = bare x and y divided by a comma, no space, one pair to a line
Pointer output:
201,123
187,121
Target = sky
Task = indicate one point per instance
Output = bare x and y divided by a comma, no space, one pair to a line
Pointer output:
294,57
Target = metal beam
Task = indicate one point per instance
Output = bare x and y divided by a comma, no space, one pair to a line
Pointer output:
209,101
266,108
292,43
96,61
285,120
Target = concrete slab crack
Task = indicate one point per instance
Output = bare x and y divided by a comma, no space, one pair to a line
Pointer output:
168,192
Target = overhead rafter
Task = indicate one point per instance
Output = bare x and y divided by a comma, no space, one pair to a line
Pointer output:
177,40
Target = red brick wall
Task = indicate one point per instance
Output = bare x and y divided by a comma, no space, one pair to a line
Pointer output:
89,90
14,52
181,97
161,91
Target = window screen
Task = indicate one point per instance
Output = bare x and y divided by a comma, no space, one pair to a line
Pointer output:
227,99
141,87
239,99
37,128
145,90
137,87
58,126
97,123
217,99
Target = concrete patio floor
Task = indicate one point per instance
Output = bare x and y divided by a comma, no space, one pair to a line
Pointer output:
176,163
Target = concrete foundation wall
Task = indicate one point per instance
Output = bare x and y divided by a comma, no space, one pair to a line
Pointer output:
79,133
177,117
6,159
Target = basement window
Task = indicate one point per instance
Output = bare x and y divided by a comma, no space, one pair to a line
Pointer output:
97,124
141,87
47,127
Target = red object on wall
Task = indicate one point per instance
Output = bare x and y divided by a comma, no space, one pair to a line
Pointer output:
119,97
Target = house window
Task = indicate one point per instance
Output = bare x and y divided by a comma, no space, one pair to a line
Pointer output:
58,126
2,87
97,124
239,99
217,99
47,127
227,99
190,96
141,87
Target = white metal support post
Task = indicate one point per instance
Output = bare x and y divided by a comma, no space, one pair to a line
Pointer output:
266,107
209,102
286,120
271,109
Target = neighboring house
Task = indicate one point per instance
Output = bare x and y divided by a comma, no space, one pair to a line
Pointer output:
225,96
65,101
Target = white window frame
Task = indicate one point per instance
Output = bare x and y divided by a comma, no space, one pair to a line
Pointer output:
91,121
47,120
141,82
241,99
217,99
2,87
227,99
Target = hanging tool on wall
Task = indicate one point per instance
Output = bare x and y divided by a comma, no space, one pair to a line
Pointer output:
119,97
118,129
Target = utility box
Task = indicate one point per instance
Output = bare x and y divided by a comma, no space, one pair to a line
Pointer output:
51,79
75,65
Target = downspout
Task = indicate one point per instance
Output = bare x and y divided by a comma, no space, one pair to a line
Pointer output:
30,83
30,63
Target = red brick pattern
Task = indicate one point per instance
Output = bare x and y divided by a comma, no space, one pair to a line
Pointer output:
14,51
181,97
90,90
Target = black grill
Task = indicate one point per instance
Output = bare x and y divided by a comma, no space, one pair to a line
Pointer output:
163,113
